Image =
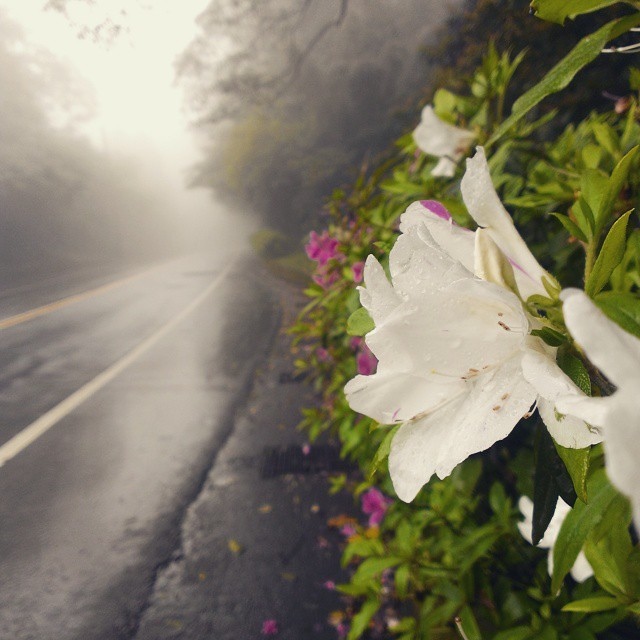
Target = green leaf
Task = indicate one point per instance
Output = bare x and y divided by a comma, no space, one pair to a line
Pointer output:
360,323
608,549
592,155
517,633
583,212
606,138
401,580
371,567
634,608
552,337
575,369
383,450
577,463
593,190
623,308
467,624
551,480
563,73
615,184
573,229
609,257
559,10
592,605
361,620
577,525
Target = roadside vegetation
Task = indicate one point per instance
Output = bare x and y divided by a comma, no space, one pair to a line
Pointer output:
473,333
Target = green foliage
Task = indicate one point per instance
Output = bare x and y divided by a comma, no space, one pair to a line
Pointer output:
559,10
563,73
453,563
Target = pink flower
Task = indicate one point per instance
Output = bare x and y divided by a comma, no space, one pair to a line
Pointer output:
354,343
325,278
366,361
321,248
375,504
348,530
329,585
269,628
357,271
306,449
322,354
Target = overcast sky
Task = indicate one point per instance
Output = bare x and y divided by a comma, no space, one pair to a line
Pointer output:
132,78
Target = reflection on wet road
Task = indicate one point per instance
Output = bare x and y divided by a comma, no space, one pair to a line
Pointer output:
114,405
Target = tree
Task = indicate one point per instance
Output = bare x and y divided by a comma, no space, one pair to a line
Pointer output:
290,95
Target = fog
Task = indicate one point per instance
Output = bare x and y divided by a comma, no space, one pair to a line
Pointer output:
140,130
95,150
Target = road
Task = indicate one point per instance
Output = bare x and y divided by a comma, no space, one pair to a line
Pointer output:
115,395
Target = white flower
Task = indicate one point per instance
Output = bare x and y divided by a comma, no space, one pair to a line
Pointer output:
450,349
617,354
581,569
451,346
485,208
438,138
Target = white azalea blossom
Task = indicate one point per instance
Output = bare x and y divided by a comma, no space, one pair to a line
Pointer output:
581,569
617,354
443,140
452,346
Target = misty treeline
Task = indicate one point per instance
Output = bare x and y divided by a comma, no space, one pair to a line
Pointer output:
291,95
294,96
62,202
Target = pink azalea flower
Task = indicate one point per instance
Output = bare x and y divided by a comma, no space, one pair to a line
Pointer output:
321,248
375,504
326,278
269,628
366,361
330,585
348,530
357,270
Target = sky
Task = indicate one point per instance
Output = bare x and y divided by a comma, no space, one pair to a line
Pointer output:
133,77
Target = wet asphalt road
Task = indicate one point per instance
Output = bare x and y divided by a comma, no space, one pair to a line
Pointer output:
91,510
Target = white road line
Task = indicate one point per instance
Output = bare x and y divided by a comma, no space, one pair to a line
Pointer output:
65,302
30,434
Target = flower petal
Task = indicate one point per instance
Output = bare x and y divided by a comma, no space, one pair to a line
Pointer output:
593,411
491,264
622,446
552,383
614,351
454,240
418,264
390,396
454,334
445,168
439,138
377,296
485,208
470,423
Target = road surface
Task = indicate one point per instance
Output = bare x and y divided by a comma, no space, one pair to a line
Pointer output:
115,395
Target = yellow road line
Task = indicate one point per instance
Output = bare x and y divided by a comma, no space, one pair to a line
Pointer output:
64,302
31,433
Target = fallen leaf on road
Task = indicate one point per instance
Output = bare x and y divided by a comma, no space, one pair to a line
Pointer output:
234,546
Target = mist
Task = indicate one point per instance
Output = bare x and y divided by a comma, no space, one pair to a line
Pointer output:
78,190
294,98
